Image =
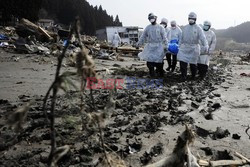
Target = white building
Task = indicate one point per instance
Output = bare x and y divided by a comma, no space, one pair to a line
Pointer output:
129,35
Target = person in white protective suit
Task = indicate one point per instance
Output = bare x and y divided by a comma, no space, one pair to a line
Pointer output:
116,40
154,36
203,60
164,24
174,37
189,48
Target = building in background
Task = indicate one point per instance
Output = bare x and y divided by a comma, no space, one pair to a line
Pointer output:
129,35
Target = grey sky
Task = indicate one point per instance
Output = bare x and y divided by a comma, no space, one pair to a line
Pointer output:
222,13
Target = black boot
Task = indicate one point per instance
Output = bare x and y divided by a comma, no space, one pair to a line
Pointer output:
159,69
168,56
174,63
193,68
150,66
183,68
203,68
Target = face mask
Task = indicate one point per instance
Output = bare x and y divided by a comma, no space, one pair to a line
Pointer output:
152,20
173,27
164,25
206,27
191,21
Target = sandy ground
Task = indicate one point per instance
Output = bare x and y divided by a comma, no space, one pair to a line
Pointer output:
32,75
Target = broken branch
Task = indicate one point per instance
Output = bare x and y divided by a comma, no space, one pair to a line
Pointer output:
242,157
227,162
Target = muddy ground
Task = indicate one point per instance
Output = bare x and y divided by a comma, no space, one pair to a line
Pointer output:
145,123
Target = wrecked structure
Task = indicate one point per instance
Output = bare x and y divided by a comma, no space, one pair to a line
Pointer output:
45,23
129,35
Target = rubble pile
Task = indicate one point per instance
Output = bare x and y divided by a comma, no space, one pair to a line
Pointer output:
29,38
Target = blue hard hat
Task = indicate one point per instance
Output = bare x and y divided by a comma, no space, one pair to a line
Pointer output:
173,48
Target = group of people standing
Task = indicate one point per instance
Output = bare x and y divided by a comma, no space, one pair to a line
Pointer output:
192,45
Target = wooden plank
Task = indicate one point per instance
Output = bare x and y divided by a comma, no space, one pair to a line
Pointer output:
227,162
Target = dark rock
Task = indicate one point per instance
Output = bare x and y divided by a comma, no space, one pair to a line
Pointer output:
136,130
211,96
116,65
198,99
222,155
220,133
209,116
236,136
23,96
146,158
183,119
201,132
114,147
135,147
217,95
208,151
193,104
121,121
85,151
157,149
2,101
216,106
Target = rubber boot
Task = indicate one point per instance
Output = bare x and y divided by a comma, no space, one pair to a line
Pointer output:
168,56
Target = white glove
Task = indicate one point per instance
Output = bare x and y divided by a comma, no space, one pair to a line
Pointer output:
206,49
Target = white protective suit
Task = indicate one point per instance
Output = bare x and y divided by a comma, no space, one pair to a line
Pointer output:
164,23
175,33
189,49
116,40
155,37
167,30
211,39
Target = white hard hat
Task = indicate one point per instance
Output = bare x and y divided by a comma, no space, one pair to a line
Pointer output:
207,23
164,20
173,22
192,15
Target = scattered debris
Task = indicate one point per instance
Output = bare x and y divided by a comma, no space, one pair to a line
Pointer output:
220,133
181,153
193,104
154,152
236,136
245,74
201,132
216,106
222,155
208,151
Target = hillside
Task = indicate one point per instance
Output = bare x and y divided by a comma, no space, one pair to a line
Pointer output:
238,33
62,11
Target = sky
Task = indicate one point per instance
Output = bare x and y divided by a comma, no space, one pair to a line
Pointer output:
222,13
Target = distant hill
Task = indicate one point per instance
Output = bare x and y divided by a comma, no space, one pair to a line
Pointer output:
61,11
240,33
64,11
